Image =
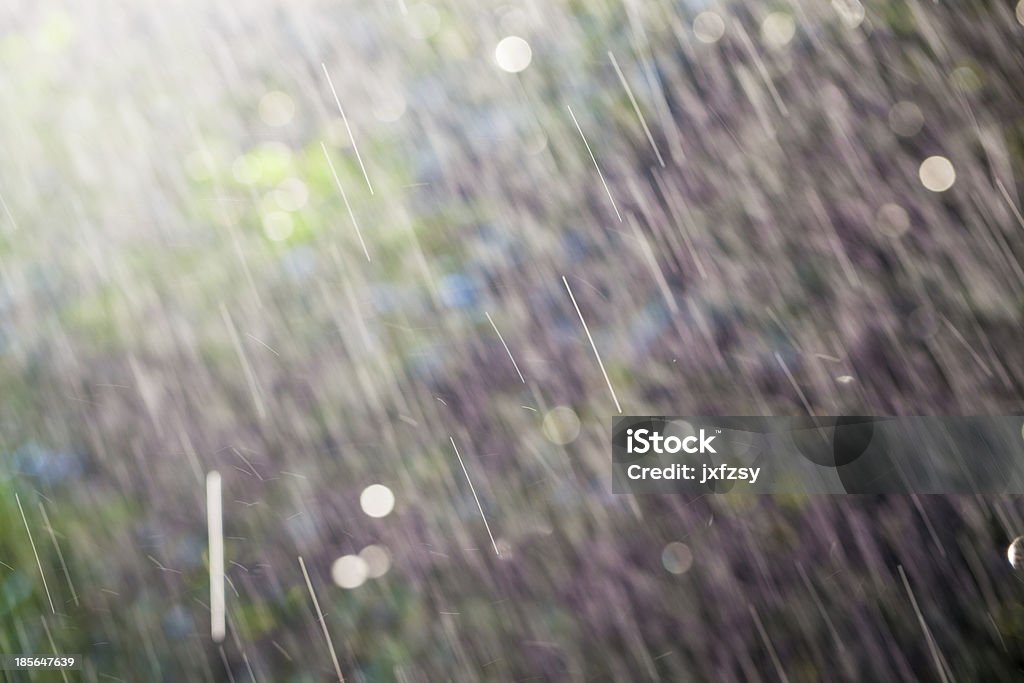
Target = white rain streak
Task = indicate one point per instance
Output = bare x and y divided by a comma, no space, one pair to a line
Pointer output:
344,197
604,373
937,657
636,108
323,622
60,554
502,339
35,553
475,497
53,646
344,118
596,166
215,538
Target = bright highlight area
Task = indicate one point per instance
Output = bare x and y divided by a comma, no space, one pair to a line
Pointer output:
937,174
377,500
349,571
513,54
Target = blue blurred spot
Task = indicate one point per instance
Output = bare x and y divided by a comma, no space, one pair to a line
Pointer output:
50,466
178,622
386,298
299,263
458,291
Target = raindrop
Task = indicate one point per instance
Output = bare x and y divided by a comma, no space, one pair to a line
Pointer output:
277,226
850,12
708,27
966,78
276,108
1015,553
513,54
561,425
349,571
937,174
291,194
892,220
377,560
677,557
905,119
777,29
377,500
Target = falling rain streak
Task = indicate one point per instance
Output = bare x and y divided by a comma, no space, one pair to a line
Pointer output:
215,535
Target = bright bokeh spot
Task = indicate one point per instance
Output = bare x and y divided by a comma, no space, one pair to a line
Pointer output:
777,29
708,27
274,159
892,220
966,78
277,226
1015,553
349,571
276,108
677,558
850,12
388,106
245,170
57,30
937,174
513,54
291,194
377,560
905,119
561,425
377,500
270,162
